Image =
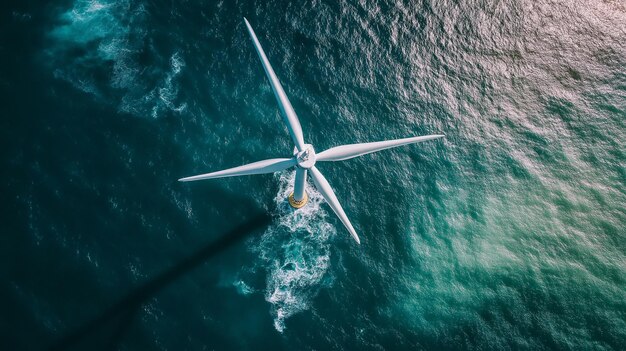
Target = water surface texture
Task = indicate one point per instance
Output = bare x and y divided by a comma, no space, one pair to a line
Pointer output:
510,233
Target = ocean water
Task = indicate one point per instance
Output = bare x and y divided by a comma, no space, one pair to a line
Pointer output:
510,233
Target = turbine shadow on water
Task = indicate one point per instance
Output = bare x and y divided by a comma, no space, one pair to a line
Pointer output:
118,318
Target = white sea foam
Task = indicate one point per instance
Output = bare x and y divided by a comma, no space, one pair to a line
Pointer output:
295,253
168,91
118,30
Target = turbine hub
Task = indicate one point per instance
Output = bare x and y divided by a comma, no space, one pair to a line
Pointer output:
306,158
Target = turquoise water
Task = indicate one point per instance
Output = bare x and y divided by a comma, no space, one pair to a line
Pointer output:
508,234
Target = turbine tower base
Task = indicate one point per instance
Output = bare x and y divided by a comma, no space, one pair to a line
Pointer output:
298,204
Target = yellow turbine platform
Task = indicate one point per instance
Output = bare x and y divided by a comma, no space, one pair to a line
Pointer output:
298,204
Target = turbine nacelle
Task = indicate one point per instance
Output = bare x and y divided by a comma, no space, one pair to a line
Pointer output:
304,156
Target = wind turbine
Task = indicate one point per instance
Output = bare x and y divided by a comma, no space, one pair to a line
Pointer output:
304,156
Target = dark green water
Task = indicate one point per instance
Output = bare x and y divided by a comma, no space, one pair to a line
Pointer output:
508,234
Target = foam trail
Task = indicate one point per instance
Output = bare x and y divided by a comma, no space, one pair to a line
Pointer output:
295,253
168,92
111,37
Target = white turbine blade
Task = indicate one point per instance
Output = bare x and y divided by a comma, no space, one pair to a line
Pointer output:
344,152
285,106
323,187
260,167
